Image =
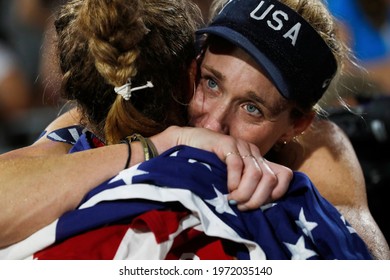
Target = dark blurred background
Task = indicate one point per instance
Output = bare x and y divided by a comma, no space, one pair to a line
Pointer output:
29,84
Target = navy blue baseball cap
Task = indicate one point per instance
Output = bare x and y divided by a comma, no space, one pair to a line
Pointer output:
293,55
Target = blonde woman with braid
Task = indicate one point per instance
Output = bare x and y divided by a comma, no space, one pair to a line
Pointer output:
109,50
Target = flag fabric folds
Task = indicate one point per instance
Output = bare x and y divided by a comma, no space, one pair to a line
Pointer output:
175,207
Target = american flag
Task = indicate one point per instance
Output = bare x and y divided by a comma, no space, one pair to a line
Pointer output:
175,207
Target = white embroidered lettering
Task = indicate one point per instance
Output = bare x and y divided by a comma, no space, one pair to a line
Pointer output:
293,33
277,20
264,14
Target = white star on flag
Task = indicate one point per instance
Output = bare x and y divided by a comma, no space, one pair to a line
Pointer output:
298,251
306,226
174,154
350,229
205,164
220,203
128,174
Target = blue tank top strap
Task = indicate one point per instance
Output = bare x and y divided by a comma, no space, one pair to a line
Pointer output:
70,134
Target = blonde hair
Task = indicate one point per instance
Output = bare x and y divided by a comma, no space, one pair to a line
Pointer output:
104,43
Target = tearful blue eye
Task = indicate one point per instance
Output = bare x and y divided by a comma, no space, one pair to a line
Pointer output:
211,83
251,108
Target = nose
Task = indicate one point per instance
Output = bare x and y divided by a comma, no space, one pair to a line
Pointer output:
217,120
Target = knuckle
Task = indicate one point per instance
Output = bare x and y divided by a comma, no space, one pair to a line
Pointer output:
242,196
255,173
271,179
252,204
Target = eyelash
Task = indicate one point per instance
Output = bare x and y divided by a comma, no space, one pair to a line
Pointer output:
208,80
205,81
259,112
211,81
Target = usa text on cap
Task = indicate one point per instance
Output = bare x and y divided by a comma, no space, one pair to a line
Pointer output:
293,55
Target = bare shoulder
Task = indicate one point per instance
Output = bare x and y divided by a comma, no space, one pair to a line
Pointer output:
326,155
332,162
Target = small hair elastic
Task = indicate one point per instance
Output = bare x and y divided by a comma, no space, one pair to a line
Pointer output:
127,142
126,89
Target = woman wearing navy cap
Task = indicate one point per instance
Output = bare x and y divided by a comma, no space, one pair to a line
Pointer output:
275,103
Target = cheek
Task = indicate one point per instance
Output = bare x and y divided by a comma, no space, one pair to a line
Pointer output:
198,100
191,109
196,109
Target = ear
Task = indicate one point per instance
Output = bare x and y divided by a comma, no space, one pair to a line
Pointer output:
299,125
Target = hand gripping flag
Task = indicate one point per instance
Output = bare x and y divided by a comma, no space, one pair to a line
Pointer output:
175,207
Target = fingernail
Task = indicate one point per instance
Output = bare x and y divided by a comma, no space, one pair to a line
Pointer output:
232,202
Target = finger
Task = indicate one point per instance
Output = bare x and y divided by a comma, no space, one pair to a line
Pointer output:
257,184
251,174
271,187
232,153
235,167
284,175
262,193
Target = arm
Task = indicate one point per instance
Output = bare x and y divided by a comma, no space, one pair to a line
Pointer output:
37,185
43,176
335,170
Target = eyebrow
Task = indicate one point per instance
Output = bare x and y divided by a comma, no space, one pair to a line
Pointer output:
216,73
275,109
